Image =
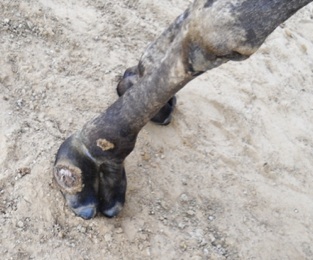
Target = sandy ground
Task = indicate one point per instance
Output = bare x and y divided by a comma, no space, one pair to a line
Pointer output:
230,178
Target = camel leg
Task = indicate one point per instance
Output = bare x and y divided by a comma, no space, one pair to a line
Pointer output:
208,34
130,78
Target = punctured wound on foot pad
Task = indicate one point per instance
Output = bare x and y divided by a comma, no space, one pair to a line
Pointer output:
69,178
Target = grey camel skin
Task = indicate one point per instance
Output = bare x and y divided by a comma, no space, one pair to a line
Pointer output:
89,167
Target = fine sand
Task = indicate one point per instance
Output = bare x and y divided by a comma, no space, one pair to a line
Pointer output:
230,178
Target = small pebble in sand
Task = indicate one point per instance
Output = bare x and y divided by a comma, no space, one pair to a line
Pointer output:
20,224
